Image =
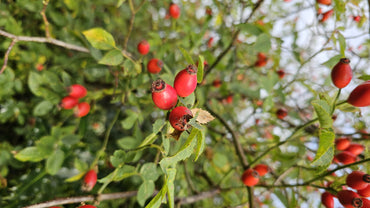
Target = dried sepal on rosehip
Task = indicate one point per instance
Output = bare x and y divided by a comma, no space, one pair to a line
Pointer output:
179,118
163,95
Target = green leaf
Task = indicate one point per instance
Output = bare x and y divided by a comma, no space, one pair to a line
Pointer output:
342,44
118,158
365,77
157,200
184,152
346,107
99,38
127,142
149,139
31,154
170,186
146,190
129,121
325,152
80,165
46,145
200,69
34,82
112,58
186,56
332,61
75,177
149,171
124,172
250,28
54,162
71,139
323,110
263,43
158,125
188,101
43,108
200,145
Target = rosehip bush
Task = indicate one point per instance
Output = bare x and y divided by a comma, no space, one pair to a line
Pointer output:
184,103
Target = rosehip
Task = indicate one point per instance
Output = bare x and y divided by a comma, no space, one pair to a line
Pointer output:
262,169
217,83
345,157
365,192
87,206
355,149
360,96
358,180
326,15
229,99
77,91
281,113
210,42
143,47
69,102
89,180
174,11
250,177
348,198
261,60
281,73
325,2
341,74
342,143
327,199
357,18
186,81
155,66
365,203
164,96
82,109
179,118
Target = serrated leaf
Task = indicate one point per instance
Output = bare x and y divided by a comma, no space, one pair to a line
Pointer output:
124,172
201,143
127,143
186,56
325,152
171,174
158,125
342,44
149,171
149,139
365,77
146,189
184,152
118,158
99,38
54,162
188,101
157,200
42,108
112,58
129,121
332,61
203,116
346,107
31,154
193,122
322,110
200,69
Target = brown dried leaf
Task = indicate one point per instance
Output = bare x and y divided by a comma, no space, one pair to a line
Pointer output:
176,134
203,116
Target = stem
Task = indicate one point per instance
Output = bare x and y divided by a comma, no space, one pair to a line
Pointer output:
335,100
6,57
46,22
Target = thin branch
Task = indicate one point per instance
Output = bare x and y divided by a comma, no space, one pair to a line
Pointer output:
236,142
44,40
46,22
6,56
199,197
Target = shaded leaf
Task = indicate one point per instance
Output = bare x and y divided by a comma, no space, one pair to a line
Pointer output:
146,189
171,174
149,171
186,55
55,162
31,154
112,58
99,38
322,110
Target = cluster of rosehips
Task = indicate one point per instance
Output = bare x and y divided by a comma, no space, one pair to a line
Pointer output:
165,96
357,180
251,176
71,101
349,151
341,75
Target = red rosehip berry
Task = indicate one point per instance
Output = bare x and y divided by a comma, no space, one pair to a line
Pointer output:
327,199
89,180
229,99
358,180
365,203
342,143
357,18
77,91
341,74
348,198
174,11
281,113
326,15
345,157
360,96
163,95
355,149
143,47
154,66
186,81
217,83
250,177
281,73
325,2
39,67
179,118
87,206
261,60
82,109
365,192
69,102
210,42
262,169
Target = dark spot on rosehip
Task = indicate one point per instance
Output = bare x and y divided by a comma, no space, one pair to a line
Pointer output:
158,85
182,124
366,178
357,202
191,69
